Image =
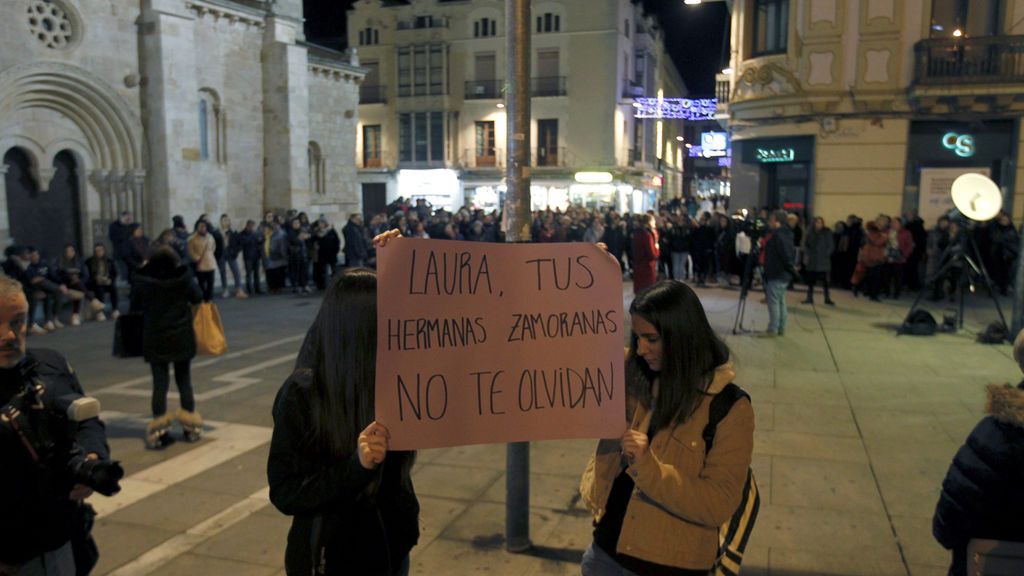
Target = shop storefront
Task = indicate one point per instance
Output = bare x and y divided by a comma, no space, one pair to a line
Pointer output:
939,152
774,172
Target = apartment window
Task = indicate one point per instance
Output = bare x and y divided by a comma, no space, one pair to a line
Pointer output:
317,169
421,70
771,26
371,146
485,151
485,27
421,137
211,127
369,36
547,142
424,22
971,18
625,28
204,130
549,22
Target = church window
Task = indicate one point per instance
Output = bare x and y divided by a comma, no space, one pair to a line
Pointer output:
52,24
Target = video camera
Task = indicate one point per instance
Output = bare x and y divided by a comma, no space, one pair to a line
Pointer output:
45,427
754,229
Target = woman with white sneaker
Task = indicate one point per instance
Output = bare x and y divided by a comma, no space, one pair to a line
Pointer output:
101,279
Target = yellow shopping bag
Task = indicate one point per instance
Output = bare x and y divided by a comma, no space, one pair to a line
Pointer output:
209,330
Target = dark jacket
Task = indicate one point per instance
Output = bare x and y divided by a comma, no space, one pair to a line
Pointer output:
328,246
37,514
251,244
818,250
278,256
92,269
327,499
232,244
779,255
296,245
218,242
981,495
164,298
119,235
355,242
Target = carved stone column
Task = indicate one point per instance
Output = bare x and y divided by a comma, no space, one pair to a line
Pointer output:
139,198
5,221
101,181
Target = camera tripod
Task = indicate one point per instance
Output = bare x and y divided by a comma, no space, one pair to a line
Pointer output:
746,281
964,255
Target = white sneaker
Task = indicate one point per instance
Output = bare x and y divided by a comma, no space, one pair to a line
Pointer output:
50,326
37,330
76,320
101,317
225,294
57,323
115,314
96,305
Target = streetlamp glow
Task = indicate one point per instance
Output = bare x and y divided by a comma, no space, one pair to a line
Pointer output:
727,70
957,33
692,2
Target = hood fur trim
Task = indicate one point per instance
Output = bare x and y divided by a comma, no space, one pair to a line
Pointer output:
1006,404
724,374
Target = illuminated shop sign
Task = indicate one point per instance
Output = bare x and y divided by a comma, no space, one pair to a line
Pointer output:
768,155
961,144
675,108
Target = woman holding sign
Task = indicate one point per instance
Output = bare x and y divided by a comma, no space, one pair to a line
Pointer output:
353,503
658,500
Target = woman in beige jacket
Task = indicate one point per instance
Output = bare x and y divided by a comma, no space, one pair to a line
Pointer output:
657,500
201,248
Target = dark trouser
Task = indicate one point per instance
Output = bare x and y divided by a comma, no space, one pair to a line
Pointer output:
275,277
51,303
322,272
894,279
162,382
814,277
297,272
873,281
99,291
206,284
252,276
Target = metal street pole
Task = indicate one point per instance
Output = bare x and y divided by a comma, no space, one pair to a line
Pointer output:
1018,292
517,229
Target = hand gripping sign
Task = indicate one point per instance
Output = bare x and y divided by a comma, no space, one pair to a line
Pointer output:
483,343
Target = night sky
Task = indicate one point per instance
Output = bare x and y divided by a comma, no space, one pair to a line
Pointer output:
694,35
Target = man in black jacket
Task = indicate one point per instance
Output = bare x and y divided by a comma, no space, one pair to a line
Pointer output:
120,236
40,501
355,242
779,269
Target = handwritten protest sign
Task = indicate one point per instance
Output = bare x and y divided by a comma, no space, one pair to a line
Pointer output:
484,343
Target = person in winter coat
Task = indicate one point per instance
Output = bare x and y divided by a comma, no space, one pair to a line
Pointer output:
870,262
119,233
276,252
201,249
328,246
101,279
42,279
181,239
901,246
1004,242
298,257
351,499
779,270
703,244
136,250
615,239
164,293
355,242
645,255
679,246
69,269
912,272
657,499
250,242
232,242
817,255
981,496
938,242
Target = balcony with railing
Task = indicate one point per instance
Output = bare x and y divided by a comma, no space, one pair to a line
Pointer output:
971,61
483,159
557,157
549,86
370,160
484,89
372,94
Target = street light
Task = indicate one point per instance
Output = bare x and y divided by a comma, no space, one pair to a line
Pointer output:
727,70
692,2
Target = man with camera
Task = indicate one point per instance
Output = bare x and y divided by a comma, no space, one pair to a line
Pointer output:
53,451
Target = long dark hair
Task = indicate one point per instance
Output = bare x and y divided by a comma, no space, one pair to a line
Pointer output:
340,352
690,353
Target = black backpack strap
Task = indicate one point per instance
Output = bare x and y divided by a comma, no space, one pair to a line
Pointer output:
721,404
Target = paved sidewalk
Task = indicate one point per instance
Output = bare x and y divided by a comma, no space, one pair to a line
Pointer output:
855,429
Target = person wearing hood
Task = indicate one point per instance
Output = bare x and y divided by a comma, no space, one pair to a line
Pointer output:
163,292
181,238
328,246
779,270
981,496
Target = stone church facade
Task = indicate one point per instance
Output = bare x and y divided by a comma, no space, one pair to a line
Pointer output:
166,107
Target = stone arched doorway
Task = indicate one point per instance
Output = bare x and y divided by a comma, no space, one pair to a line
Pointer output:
47,219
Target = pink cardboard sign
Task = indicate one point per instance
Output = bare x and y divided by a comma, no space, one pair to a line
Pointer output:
482,343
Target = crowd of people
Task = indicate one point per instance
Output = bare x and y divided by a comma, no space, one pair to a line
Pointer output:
881,258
